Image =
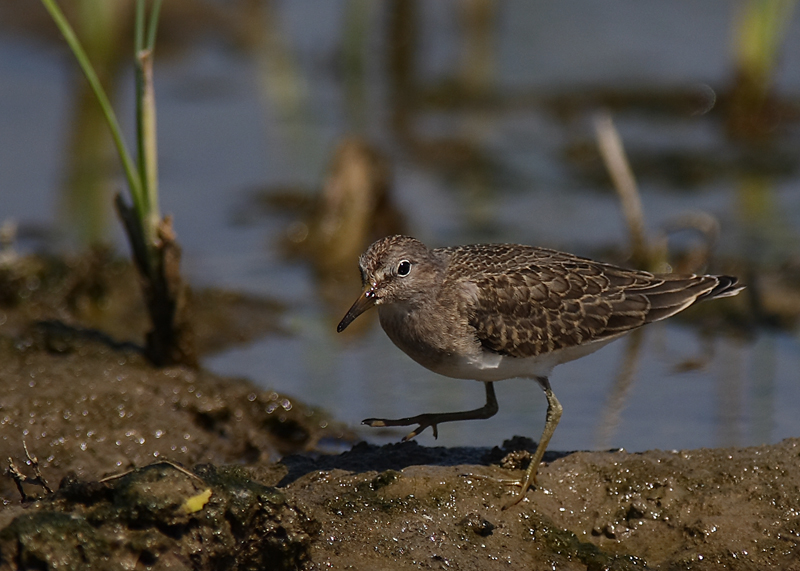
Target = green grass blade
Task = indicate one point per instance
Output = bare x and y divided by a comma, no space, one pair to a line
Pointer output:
147,128
134,182
155,11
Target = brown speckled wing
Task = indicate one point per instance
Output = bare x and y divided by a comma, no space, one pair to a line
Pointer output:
531,301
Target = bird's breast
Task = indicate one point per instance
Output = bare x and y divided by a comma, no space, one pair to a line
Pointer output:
425,336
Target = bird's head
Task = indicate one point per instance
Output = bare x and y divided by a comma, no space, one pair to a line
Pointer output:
396,269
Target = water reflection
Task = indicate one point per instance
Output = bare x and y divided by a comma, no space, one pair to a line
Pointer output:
763,391
354,208
619,393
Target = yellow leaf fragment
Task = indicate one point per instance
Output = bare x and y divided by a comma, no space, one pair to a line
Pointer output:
196,503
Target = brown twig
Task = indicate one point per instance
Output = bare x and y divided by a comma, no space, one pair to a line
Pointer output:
178,467
20,478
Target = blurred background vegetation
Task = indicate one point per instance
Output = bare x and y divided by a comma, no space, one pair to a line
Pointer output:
292,134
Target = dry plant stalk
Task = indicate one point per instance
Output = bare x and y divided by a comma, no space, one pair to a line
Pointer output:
613,153
171,340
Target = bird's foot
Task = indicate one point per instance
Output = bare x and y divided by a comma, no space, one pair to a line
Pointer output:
423,421
433,419
524,483
495,479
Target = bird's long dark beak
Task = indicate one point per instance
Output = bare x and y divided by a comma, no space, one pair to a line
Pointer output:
363,303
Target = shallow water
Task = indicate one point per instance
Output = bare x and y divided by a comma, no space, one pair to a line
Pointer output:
222,137
736,393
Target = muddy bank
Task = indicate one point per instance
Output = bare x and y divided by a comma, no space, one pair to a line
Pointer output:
87,406
88,410
101,292
426,507
159,517
182,469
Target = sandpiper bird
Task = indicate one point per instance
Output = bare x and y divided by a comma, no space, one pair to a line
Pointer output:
490,312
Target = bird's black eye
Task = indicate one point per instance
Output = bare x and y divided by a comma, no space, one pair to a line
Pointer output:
403,268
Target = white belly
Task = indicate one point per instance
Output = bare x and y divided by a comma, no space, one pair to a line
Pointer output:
494,367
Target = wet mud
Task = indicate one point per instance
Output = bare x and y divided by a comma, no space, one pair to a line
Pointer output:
176,468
